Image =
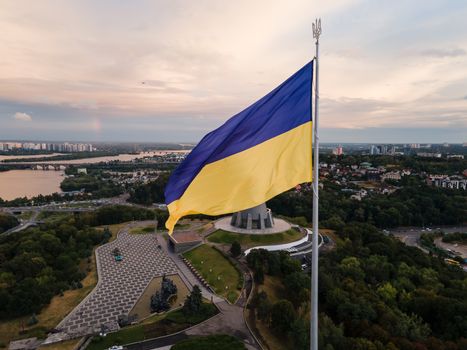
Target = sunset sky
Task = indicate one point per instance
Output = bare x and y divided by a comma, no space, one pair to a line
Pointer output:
160,71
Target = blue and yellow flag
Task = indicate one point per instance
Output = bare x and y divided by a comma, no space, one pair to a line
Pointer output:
257,154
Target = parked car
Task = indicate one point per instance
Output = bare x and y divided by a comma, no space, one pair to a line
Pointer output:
116,347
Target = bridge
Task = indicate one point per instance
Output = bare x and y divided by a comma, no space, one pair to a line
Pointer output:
53,167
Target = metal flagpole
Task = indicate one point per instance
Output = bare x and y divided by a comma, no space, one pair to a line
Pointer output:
314,256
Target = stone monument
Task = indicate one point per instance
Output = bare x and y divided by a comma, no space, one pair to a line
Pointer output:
256,218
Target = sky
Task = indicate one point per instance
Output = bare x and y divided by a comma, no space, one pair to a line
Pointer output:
171,70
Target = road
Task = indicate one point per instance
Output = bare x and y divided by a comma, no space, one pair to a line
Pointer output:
411,235
32,221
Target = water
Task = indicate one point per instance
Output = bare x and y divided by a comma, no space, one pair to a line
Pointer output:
29,183
120,157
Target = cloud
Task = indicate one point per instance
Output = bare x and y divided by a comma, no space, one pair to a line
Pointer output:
444,52
24,117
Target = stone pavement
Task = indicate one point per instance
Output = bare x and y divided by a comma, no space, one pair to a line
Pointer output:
229,321
120,283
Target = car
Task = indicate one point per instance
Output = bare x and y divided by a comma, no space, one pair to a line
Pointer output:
116,347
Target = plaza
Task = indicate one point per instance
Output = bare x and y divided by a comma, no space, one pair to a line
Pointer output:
121,283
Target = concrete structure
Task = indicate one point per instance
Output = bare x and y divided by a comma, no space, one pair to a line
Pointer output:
180,242
298,248
258,217
25,344
279,226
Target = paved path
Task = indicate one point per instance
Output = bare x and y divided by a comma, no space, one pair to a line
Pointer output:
456,248
120,283
228,321
185,273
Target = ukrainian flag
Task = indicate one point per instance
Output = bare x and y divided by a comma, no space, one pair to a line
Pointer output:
257,154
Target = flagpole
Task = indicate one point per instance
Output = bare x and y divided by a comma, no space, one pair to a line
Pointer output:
314,254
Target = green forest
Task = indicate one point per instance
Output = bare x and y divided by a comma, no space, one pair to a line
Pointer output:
38,263
7,221
152,192
95,184
374,293
414,204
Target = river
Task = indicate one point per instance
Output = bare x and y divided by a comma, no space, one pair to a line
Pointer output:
29,183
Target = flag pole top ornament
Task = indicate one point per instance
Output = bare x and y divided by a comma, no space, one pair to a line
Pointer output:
317,29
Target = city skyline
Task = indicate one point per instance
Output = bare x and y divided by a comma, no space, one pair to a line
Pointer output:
391,72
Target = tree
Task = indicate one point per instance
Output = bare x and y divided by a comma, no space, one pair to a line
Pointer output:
193,301
259,274
160,300
282,316
300,335
106,234
168,288
297,285
263,307
387,292
33,320
7,221
159,303
235,249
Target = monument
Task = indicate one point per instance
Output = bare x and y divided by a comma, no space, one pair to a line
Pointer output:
259,217
256,220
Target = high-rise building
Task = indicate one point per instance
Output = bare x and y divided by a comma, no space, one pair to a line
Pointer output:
338,151
374,150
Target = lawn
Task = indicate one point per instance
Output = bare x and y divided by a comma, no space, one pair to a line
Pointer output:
52,217
274,288
26,215
114,229
142,230
153,327
248,241
217,270
218,342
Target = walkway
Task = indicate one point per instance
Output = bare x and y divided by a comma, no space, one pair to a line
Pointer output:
185,273
229,320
